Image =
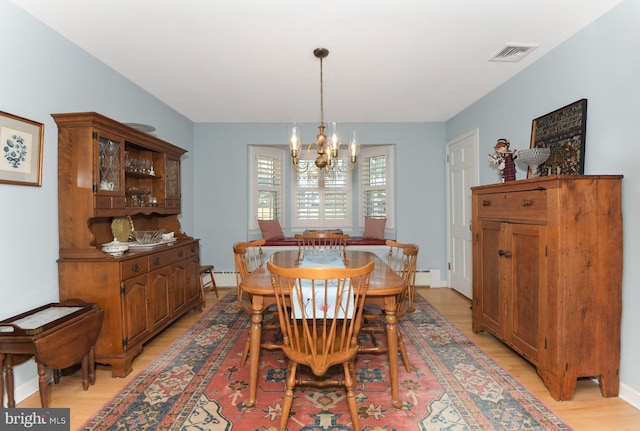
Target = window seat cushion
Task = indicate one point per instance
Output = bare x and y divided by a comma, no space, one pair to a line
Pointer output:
353,240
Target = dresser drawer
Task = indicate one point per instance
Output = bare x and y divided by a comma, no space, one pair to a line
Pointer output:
132,267
110,202
167,257
193,249
527,205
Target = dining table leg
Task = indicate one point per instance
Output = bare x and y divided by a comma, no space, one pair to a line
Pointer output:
392,340
255,336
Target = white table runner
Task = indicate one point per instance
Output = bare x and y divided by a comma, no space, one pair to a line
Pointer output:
323,309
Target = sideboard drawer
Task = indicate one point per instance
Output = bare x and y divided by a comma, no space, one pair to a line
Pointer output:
167,257
527,205
132,267
193,249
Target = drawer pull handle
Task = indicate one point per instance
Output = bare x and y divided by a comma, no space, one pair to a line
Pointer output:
486,203
135,267
181,253
526,203
504,253
156,261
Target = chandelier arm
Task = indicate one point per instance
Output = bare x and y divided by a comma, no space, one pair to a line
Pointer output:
298,169
352,165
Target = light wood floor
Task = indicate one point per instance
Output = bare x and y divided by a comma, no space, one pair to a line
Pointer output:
588,411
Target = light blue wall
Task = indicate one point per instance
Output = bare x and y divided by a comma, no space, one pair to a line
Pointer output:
221,183
601,64
42,73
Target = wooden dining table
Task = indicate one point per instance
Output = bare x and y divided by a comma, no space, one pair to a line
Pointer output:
384,286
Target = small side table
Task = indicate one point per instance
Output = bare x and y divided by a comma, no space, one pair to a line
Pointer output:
58,335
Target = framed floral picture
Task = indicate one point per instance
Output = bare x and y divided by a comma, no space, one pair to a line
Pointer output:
20,150
563,131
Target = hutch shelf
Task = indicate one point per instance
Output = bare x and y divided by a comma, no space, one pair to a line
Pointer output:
547,275
108,172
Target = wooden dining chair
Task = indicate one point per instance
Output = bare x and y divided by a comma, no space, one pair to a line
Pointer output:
402,259
405,267
321,240
249,256
320,313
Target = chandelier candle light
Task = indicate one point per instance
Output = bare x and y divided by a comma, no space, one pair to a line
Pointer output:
327,149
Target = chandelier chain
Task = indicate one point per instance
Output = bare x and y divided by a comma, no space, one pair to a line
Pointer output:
321,94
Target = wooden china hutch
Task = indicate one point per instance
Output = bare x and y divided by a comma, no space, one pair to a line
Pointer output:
113,178
547,275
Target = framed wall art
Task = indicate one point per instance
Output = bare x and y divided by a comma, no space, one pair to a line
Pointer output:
20,150
563,131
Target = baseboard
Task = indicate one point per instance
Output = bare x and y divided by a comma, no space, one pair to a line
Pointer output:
225,278
630,395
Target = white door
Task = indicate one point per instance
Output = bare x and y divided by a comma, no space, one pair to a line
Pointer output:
462,174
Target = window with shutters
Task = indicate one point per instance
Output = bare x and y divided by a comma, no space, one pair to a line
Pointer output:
266,186
376,182
321,198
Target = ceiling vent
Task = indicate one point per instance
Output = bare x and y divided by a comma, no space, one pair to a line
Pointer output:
514,52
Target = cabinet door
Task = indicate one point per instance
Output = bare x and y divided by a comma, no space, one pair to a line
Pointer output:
134,310
172,196
110,151
158,297
524,255
489,288
177,291
193,279
109,174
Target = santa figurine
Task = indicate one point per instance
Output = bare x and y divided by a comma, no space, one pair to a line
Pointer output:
504,159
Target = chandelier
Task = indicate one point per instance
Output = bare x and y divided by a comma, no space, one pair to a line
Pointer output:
326,147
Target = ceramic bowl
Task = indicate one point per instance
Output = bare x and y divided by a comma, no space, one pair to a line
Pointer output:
115,248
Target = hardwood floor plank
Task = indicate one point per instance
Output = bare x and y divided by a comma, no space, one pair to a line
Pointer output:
588,411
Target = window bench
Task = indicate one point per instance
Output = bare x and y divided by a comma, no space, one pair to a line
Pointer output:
352,241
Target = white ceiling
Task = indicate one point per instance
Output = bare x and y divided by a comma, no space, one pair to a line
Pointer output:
252,60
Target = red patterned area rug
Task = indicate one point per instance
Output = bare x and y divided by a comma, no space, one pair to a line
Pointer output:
196,384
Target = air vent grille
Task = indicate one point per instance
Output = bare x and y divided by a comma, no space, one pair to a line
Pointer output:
513,52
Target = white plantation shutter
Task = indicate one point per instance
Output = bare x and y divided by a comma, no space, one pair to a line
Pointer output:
376,182
321,199
307,205
266,186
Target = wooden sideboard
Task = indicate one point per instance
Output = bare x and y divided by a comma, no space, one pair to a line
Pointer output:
547,275
144,290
